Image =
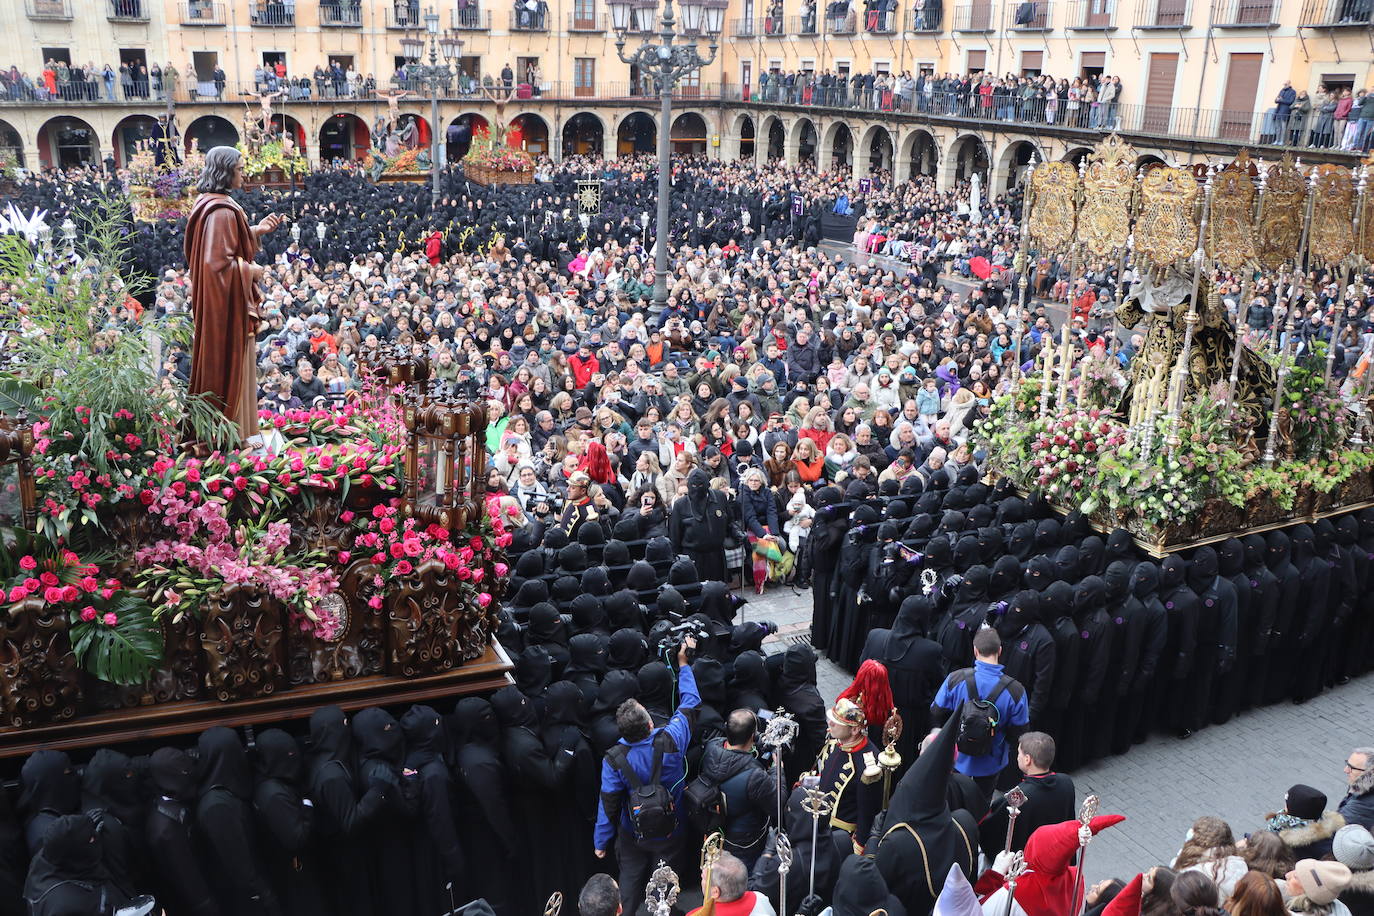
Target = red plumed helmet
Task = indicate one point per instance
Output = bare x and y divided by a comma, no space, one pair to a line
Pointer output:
871,691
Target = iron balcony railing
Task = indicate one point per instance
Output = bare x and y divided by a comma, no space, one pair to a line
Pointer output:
274,14
1164,14
341,14
1091,15
587,22
471,19
928,17
202,13
1336,14
1030,16
975,17
126,10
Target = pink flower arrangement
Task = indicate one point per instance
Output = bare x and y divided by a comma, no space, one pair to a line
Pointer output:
1065,462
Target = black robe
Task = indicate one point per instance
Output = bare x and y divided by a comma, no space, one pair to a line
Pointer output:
1094,654
1313,617
388,842
1265,593
49,788
343,813
224,824
915,670
849,625
14,860
795,691
1028,652
1230,689
110,794
285,824
1149,628
1282,654
1172,703
486,826
1056,606
1121,661
571,821
179,883
438,867
1218,597
68,876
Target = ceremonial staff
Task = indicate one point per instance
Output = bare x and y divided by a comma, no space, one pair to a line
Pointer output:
661,892
818,804
1245,286
1190,320
711,851
1015,870
555,904
1293,292
783,846
1023,271
1085,835
888,758
1014,799
777,735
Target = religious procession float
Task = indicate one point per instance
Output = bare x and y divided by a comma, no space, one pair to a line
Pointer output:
162,190
156,579
1215,430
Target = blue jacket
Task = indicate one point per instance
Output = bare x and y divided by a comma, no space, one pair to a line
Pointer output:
1011,705
758,509
641,758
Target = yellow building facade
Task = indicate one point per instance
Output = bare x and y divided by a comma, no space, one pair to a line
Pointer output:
1198,77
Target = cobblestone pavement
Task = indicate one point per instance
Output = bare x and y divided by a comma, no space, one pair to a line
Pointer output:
1238,771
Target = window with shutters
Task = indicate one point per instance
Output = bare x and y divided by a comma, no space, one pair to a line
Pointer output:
1092,63
977,61
584,76
584,15
1238,100
1032,63
1159,92
1172,14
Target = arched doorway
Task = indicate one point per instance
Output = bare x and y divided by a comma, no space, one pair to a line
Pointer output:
66,142
1077,155
284,125
969,156
746,137
688,135
636,134
1015,158
11,146
458,136
530,133
922,155
1148,162
805,133
210,131
584,135
414,131
344,136
841,148
777,140
877,153
127,135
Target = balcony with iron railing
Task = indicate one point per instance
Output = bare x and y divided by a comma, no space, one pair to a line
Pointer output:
1245,14
845,23
1030,16
1091,16
1336,14
126,10
805,26
48,9
201,13
471,19
402,17
744,28
273,14
341,14
587,22
975,17
1164,14
529,20
773,26
927,18
881,22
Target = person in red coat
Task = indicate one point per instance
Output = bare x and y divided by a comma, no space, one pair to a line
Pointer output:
584,365
1050,887
434,247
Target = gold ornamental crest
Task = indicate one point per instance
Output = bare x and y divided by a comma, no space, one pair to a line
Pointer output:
1231,226
1166,229
1104,220
1054,189
1280,228
1332,236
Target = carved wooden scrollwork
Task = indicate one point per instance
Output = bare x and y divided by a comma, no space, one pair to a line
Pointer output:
358,651
242,638
426,615
39,680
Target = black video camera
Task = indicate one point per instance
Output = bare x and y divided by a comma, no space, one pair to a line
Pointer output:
678,629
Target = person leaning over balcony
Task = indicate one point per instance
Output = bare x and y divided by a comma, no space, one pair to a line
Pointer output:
1297,122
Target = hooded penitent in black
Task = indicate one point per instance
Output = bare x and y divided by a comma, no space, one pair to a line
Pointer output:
921,837
285,823
967,612
845,642
68,875
538,780
49,787
569,820
1056,610
437,859
915,669
344,813
1121,661
547,629
1176,711
794,689
1313,616
587,661
748,683
1283,639
14,860
1350,569
656,691
766,879
1028,651
1150,628
1361,641
699,523
178,881
380,747
1094,653
224,825
486,825
1264,600
1216,632
860,890
110,792
616,688
1231,687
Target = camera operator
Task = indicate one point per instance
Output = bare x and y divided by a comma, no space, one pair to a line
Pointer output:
748,794
642,778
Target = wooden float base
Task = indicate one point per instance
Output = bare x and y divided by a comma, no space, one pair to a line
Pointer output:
164,720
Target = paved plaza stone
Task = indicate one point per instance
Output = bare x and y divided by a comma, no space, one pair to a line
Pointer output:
1238,771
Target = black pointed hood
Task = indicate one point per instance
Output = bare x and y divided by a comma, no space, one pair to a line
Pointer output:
224,763
919,796
49,782
377,735
110,783
173,774
860,889
423,730
627,650
277,755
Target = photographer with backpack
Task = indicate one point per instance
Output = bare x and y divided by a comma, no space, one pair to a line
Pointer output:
992,710
642,779
734,793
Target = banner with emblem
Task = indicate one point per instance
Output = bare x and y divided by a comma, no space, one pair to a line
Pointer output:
589,197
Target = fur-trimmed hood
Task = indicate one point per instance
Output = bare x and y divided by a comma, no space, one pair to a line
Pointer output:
1364,785
1313,831
1362,883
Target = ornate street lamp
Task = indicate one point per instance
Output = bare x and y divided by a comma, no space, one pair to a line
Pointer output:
447,46
667,63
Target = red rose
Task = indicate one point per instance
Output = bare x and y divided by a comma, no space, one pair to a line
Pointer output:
70,593
404,568
49,579
28,563
146,497
387,525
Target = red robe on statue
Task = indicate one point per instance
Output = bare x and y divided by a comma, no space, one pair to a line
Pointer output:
225,299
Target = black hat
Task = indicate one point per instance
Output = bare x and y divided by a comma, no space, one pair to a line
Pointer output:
1305,802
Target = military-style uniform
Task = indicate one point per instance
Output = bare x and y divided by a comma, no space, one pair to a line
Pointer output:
575,515
854,779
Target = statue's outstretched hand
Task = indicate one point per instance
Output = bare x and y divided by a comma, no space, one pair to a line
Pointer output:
270,222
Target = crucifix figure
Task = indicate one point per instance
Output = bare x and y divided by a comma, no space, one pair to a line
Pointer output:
501,96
